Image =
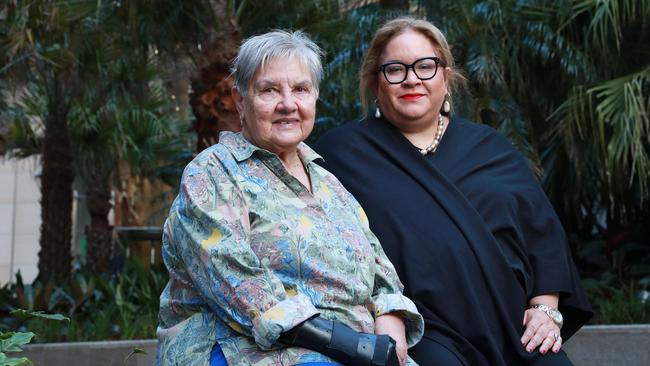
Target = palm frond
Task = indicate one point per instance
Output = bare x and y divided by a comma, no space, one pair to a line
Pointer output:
624,107
608,17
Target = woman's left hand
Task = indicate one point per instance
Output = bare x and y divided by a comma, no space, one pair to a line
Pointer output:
393,326
540,331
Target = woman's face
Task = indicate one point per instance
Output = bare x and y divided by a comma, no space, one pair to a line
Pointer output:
412,104
279,108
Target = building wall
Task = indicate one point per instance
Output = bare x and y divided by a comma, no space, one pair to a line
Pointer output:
20,219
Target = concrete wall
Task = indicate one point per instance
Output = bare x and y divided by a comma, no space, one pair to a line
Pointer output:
20,219
90,353
619,345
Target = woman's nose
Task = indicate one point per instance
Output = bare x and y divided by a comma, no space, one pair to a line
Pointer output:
287,102
411,78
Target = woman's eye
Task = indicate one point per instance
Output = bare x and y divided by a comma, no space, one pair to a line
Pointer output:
425,66
394,69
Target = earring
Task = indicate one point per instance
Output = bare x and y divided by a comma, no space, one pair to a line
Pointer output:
446,106
377,110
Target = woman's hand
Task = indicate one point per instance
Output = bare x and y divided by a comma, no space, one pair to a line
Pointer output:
541,331
393,326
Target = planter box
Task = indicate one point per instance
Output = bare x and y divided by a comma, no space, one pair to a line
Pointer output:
109,353
595,345
601,345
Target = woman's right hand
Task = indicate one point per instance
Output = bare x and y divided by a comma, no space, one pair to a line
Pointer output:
540,332
393,326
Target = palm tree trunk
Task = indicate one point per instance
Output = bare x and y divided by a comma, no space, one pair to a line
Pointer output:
54,257
99,233
213,107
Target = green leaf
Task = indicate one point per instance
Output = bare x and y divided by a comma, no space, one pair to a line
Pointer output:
26,314
6,335
137,350
11,361
13,343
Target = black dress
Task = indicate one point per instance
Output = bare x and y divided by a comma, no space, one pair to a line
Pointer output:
468,228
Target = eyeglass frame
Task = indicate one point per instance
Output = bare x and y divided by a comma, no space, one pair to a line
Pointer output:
437,60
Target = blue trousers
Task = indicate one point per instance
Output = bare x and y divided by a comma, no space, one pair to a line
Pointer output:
217,358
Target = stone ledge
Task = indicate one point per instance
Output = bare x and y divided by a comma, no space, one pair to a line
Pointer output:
109,353
604,345
595,345
615,329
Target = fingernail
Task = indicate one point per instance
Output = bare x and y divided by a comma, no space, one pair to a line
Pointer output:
542,352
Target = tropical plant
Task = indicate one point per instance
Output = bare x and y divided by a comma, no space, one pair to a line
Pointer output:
123,113
213,107
99,307
38,41
126,117
109,124
12,341
602,128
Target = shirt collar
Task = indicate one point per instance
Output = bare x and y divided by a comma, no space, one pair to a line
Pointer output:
242,149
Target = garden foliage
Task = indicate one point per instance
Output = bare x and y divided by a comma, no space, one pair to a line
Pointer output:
99,307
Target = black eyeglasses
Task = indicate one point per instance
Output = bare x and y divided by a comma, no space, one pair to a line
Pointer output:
424,69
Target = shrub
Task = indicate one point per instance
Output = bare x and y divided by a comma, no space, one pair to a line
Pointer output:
124,306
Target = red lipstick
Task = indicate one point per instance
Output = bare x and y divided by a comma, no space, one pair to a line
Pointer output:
411,96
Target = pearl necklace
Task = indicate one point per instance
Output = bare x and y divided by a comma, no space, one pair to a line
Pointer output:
436,141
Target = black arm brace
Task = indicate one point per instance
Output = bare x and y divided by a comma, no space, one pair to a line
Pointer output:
342,343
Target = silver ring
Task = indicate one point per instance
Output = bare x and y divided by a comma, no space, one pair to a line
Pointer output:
555,336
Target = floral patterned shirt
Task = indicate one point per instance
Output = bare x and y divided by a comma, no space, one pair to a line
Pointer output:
252,253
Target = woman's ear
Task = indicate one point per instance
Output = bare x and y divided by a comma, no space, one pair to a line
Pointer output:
239,100
448,73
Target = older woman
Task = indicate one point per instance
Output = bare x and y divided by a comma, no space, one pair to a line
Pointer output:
457,210
266,249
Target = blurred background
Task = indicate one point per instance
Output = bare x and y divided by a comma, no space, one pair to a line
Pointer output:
102,103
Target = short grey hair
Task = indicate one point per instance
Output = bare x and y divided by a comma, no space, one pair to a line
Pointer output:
256,51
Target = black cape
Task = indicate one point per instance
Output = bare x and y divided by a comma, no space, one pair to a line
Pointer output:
468,228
